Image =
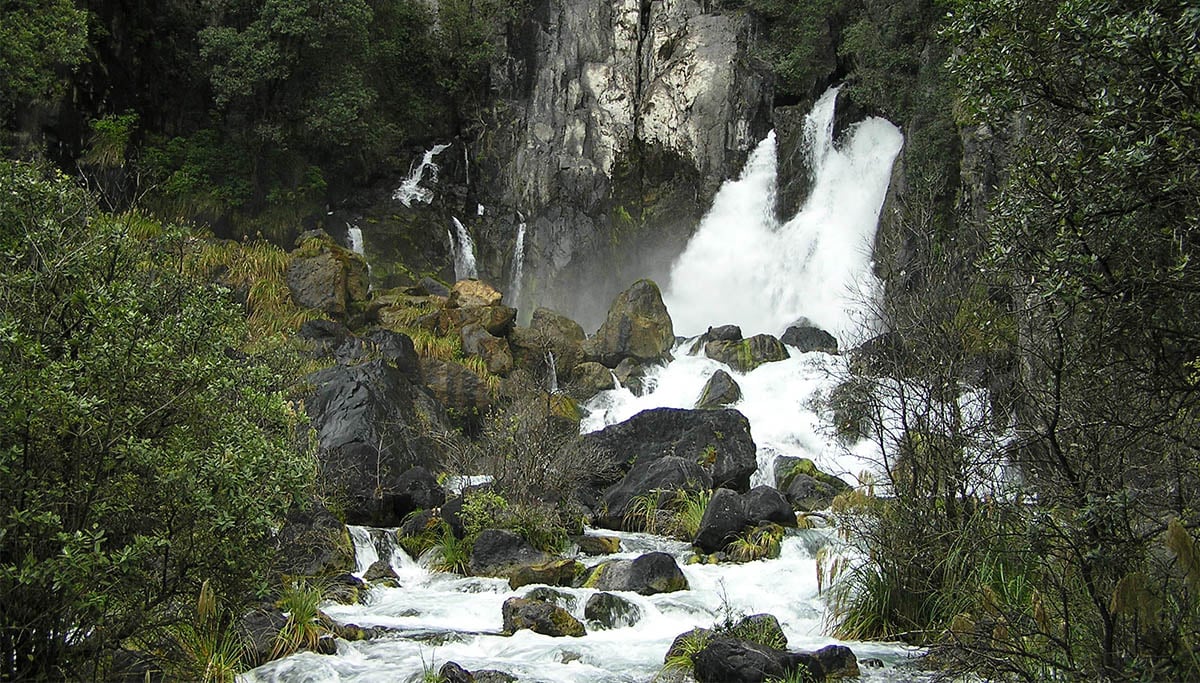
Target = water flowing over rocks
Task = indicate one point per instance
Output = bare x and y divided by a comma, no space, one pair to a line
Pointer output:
540,617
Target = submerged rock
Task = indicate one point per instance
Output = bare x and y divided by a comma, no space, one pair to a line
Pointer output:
647,575
720,391
638,326
540,617
747,354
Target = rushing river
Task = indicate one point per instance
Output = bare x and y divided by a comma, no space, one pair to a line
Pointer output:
742,267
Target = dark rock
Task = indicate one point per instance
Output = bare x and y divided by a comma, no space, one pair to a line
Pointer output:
477,341
719,391
493,676
871,663
416,489
380,570
719,440
664,474
723,333
312,542
763,629
723,520
395,348
605,610
451,672
597,545
554,597
344,588
540,617
322,275
451,513
807,494
497,552
638,326
837,661
631,373
259,627
765,504
680,644
807,339
418,523
325,332
589,379
373,425
879,355
725,659
433,287
497,320
747,354
648,574
550,334
455,386
553,573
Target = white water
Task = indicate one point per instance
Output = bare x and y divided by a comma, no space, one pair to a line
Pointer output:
518,266
355,236
744,267
464,251
410,189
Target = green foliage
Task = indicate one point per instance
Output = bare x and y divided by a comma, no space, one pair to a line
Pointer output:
761,542
301,602
211,651
452,554
675,513
688,647
110,140
800,36
37,39
137,459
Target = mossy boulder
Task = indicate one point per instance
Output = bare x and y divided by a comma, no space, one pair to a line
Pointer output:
553,573
746,354
473,293
806,487
638,326
313,542
322,275
719,391
497,552
598,545
648,574
589,379
605,610
455,386
540,617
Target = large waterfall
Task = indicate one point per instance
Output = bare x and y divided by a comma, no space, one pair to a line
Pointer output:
743,266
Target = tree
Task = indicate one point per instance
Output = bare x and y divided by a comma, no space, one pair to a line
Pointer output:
38,40
139,455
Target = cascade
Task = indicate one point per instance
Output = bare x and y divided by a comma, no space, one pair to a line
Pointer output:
518,266
410,189
464,251
552,369
777,272
354,235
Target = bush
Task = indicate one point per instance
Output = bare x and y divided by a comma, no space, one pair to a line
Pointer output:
137,457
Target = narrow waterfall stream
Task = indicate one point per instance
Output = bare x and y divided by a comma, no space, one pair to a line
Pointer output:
410,189
464,251
744,267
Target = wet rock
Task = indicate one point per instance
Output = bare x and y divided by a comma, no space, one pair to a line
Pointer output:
725,659
549,333
647,575
554,597
477,341
455,386
807,338
497,552
451,672
720,391
417,489
344,588
312,542
664,474
747,354
258,628
394,348
638,326
718,440
597,545
806,487
589,379
373,425
380,570
723,333
493,676
540,617
322,275
605,610
765,504
473,294
683,641
723,520
837,661
763,629
631,373
553,573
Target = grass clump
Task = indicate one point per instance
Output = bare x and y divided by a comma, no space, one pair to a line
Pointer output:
674,513
300,601
209,647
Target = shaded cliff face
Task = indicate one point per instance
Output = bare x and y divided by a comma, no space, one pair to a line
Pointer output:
624,118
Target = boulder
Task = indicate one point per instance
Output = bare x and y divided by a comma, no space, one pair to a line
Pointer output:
540,617
455,386
638,326
430,286
597,545
719,391
497,552
452,672
647,575
322,275
589,379
259,628
326,335
680,645
373,425
747,354
493,676
837,661
473,294
879,356
766,504
808,338
548,333
723,333
417,489
313,542
723,520
497,320
668,473
380,570
477,341
605,610
725,659
554,597
631,373
393,347
763,629
718,440
553,573
807,494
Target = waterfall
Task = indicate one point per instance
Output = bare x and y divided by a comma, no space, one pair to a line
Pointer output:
743,266
553,370
464,252
355,237
518,266
410,189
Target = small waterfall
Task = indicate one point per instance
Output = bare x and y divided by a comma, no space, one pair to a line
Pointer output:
355,236
552,369
464,252
365,553
743,266
518,266
410,189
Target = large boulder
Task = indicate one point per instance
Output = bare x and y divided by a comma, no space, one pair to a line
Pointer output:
589,379
540,617
717,440
313,542
747,354
497,320
498,552
549,335
726,659
808,338
647,575
455,386
638,326
417,489
723,520
495,351
322,275
668,473
631,373
605,610
259,629
395,348
766,504
373,425
719,391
